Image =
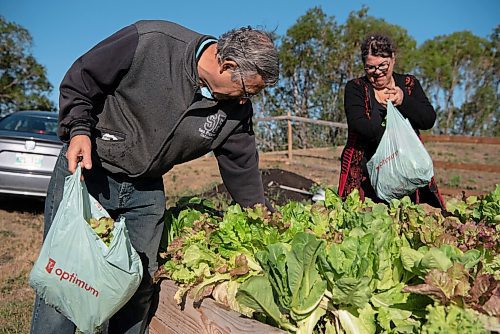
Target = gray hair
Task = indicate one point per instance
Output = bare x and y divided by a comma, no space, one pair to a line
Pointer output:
254,52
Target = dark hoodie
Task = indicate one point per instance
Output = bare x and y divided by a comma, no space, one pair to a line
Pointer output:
136,94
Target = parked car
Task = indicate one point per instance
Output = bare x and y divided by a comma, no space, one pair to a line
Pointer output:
29,147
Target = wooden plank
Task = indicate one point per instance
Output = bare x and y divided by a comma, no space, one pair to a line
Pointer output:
437,164
302,119
461,139
332,157
469,167
290,139
272,159
456,192
209,318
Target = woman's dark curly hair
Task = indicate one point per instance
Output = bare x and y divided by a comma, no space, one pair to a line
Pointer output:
377,45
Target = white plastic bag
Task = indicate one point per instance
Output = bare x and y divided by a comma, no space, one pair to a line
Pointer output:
401,163
76,272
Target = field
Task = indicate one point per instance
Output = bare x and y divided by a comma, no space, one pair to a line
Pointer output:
21,220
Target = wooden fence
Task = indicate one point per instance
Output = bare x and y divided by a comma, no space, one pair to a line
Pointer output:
426,138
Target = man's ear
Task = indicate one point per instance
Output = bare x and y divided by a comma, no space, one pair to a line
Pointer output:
227,65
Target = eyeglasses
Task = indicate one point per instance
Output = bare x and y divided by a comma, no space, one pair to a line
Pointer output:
381,67
245,95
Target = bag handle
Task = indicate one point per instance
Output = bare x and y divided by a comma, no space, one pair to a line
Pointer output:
392,114
75,199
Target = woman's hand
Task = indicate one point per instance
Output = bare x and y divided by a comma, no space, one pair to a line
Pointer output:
79,146
395,95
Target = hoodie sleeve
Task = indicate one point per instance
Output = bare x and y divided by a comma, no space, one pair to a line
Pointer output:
238,161
91,78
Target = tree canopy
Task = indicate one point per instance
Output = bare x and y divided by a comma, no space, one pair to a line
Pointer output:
459,72
318,55
23,81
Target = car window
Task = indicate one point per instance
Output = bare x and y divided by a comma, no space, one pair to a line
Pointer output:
29,123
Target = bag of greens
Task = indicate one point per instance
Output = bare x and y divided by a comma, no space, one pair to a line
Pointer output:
401,163
76,272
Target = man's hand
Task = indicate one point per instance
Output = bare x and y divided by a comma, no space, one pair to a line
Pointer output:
395,95
79,146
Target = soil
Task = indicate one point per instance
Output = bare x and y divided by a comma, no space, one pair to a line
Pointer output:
280,187
318,166
322,166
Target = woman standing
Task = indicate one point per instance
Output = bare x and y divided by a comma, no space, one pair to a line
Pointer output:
365,105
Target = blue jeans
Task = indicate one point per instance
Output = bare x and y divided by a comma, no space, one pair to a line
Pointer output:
142,202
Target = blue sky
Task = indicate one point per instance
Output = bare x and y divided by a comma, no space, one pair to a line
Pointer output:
63,30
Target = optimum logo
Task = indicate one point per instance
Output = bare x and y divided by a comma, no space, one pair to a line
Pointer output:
70,277
50,265
212,126
386,160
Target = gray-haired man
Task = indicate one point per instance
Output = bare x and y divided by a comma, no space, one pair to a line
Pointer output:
151,96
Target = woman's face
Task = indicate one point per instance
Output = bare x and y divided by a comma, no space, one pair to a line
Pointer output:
379,70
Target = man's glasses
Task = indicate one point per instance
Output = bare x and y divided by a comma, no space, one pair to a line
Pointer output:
245,95
381,67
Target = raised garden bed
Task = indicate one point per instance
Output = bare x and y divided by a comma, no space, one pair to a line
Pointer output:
209,318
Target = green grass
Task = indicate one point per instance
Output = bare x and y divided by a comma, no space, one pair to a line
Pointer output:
453,181
15,283
7,234
15,316
15,306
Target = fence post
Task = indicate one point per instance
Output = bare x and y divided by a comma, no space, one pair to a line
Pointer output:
289,138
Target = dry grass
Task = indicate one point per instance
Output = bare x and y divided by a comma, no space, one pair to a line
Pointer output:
21,237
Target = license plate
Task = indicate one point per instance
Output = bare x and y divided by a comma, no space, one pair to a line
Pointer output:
29,161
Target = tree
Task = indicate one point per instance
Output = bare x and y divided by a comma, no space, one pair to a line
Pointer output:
318,56
479,114
23,81
452,67
349,64
305,52
460,74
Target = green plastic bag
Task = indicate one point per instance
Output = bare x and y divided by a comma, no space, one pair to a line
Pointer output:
76,272
401,163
